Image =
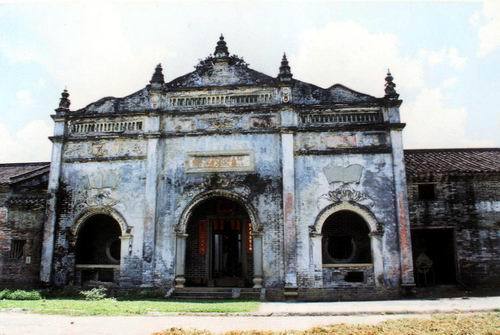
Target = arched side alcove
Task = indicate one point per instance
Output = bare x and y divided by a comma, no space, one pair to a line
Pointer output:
84,215
100,243
346,238
201,218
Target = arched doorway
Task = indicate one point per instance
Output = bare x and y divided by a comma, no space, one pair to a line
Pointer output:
219,244
98,250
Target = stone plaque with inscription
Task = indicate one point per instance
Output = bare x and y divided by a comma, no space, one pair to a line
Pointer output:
219,161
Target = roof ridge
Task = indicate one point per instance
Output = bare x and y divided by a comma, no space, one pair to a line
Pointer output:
24,164
452,149
349,89
23,175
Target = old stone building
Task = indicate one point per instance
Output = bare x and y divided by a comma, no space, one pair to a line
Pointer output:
23,194
227,177
454,197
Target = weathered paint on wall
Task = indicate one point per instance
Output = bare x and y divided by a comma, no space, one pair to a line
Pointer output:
225,130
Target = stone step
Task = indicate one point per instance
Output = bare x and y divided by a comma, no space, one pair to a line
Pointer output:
216,293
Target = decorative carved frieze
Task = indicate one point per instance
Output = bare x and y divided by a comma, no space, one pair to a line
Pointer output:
340,140
341,118
95,150
345,193
27,202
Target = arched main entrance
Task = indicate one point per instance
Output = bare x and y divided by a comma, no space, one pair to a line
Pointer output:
219,244
98,249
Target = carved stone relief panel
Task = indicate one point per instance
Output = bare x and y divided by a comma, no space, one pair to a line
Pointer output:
98,189
185,124
219,122
262,121
341,141
104,149
286,95
325,141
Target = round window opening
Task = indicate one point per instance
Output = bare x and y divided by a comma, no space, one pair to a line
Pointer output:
341,247
113,250
345,239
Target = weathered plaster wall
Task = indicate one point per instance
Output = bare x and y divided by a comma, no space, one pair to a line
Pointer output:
260,187
375,192
96,186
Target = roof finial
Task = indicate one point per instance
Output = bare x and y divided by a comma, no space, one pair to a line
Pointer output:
64,102
285,74
158,76
390,87
221,48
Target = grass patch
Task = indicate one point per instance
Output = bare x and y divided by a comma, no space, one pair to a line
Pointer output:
456,324
127,307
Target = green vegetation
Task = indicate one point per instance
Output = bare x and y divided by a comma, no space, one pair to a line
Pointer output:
98,301
20,295
97,293
456,324
111,306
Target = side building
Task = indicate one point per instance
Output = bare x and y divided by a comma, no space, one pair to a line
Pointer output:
454,197
23,195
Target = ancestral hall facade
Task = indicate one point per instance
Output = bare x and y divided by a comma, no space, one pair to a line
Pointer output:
225,177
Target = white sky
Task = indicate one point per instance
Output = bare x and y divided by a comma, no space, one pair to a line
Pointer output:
445,57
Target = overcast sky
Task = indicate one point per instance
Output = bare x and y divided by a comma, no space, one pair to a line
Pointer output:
445,57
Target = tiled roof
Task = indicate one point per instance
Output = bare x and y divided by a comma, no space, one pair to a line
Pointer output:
16,171
451,161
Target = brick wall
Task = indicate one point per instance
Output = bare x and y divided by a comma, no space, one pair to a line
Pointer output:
196,265
470,207
21,220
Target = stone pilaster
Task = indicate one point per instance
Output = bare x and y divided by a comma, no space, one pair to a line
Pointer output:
289,226
316,258
180,260
51,216
407,278
148,239
257,260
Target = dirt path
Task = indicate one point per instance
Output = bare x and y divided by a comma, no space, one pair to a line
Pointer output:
28,324
443,305
270,316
